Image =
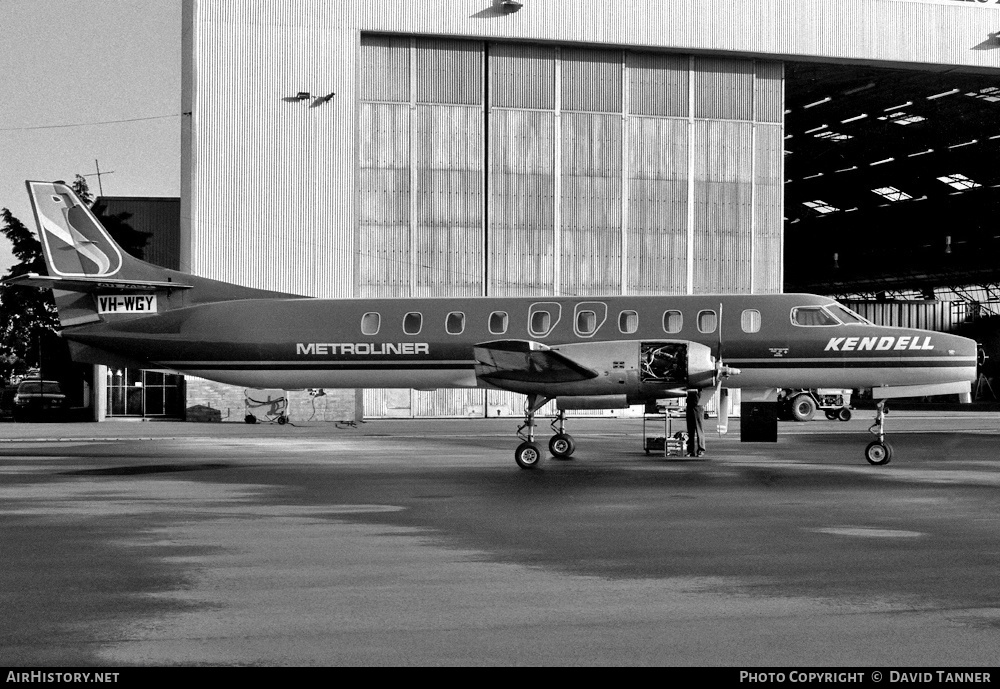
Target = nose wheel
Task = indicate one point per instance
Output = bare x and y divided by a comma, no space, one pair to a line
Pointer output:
878,452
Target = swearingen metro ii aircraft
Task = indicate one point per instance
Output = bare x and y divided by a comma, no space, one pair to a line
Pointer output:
585,352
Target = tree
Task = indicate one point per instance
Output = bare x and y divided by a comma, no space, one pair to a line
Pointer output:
27,315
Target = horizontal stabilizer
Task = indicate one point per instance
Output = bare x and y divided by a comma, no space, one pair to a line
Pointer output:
526,361
91,284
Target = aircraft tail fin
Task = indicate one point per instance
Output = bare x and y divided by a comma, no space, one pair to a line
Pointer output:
93,278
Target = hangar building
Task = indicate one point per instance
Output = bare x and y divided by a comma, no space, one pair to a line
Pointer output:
496,147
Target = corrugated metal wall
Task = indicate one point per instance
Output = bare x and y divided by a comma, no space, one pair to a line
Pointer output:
322,199
159,217
600,171
926,315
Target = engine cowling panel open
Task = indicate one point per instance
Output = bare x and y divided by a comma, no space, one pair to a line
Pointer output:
638,369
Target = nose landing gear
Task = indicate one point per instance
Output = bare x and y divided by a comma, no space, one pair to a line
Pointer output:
879,452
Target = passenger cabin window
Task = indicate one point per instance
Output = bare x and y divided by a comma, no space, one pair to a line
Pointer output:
454,324
812,316
708,321
628,322
673,321
589,317
543,318
750,321
498,322
413,323
370,323
541,322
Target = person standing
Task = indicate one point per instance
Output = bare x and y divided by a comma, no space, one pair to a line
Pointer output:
695,424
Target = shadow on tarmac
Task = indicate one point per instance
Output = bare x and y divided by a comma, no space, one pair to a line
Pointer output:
145,469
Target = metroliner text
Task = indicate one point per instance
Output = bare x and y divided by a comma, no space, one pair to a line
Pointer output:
361,348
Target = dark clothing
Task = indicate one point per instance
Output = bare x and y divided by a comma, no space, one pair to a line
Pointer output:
695,424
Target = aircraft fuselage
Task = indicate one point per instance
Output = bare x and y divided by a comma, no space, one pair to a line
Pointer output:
775,340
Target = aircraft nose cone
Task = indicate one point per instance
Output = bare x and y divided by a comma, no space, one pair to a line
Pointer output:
964,348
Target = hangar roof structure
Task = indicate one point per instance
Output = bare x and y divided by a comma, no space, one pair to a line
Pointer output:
891,179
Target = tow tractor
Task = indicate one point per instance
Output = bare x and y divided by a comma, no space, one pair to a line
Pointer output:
801,405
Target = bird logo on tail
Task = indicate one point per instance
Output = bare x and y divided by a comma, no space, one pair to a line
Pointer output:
75,243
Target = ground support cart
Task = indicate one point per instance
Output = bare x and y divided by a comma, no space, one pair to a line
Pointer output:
270,406
658,433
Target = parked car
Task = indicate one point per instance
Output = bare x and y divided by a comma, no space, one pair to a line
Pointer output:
39,400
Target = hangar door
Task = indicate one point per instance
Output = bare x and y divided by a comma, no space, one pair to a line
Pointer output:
504,169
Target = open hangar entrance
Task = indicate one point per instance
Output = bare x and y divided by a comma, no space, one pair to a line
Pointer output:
892,193
891,181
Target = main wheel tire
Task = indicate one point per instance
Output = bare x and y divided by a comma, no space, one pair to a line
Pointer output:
803,408
844,414
528,455
562,446
250,418
878,453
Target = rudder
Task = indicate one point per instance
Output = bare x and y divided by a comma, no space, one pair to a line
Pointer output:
88,270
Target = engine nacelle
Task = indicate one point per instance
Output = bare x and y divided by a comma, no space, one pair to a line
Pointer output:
636,370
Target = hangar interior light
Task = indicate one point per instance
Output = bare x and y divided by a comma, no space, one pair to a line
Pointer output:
959,181
892,194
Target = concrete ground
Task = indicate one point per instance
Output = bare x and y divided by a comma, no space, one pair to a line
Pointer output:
422,543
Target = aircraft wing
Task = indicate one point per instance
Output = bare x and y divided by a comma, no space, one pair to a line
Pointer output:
526,361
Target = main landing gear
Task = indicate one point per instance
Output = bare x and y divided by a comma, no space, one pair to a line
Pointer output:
879,452
529,453
561,445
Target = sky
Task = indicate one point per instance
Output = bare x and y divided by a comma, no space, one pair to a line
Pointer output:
67,65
